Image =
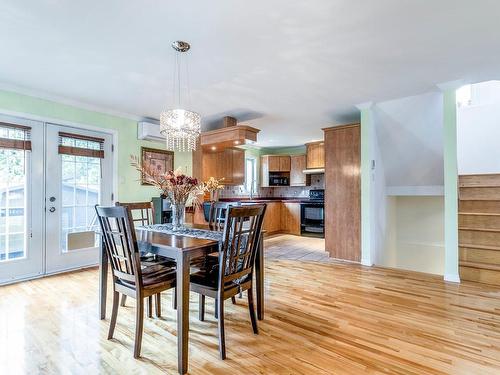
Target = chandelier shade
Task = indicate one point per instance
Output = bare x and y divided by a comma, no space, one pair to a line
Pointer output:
181,129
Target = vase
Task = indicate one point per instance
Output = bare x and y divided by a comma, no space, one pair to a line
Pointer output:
178,216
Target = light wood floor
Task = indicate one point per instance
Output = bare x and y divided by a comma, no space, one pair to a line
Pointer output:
322,318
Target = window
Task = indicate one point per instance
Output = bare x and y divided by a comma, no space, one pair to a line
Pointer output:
15,145
250,175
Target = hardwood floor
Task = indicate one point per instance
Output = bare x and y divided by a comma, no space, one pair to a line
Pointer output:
321,318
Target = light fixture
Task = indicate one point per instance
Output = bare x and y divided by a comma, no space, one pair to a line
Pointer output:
180,127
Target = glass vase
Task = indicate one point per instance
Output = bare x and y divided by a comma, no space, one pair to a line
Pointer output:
178,216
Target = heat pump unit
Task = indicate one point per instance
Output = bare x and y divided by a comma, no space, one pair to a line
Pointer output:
149,132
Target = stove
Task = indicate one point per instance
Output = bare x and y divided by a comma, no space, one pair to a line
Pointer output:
312,214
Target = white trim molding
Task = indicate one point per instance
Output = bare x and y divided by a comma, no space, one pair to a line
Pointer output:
452,278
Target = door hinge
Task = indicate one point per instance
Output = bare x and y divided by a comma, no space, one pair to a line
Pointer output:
112,197
112,148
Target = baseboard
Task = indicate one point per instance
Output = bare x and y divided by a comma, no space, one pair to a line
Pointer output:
452,278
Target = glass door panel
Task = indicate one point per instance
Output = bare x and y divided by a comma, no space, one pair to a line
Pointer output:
80,178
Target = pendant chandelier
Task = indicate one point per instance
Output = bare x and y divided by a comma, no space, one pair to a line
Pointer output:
180,127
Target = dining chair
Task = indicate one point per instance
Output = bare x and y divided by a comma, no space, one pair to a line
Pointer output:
143,213
130,277
217,214
233,271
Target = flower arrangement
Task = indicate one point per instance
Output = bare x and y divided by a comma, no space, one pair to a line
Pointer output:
212,185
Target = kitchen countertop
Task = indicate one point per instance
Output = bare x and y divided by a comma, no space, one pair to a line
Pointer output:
268,199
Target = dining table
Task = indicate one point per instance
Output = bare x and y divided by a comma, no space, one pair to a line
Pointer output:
182,249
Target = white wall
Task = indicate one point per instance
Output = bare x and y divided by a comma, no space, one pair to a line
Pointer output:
415,234
478,131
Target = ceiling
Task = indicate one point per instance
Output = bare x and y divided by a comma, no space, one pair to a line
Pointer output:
286,67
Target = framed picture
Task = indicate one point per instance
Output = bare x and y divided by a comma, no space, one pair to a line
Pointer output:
161,160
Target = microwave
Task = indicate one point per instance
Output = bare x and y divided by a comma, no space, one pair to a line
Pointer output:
278,181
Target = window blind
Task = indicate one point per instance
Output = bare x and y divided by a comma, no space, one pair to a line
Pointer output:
16,137
81,145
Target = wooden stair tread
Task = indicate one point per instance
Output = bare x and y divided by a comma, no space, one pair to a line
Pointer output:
479,247
484,266
480,229
479,213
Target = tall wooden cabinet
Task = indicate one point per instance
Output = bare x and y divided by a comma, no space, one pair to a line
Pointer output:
228,164
343,192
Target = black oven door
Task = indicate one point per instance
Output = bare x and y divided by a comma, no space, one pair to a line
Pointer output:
312,219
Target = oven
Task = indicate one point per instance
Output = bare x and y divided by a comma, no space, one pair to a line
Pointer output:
312,215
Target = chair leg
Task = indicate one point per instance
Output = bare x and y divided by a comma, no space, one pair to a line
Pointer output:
158,304
241,295
174,298
124,299
222,337
233,300
216,309
251,309
139,325
114,313
149,307
201,308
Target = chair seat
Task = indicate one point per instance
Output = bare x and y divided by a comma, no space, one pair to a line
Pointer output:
208,275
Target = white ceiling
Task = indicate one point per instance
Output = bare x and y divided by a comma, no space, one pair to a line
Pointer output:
286,67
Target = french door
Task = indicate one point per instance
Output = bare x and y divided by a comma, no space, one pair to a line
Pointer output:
78,176
51,176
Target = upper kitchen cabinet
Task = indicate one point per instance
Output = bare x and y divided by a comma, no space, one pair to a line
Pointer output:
277,163
228,164
297,175
315,155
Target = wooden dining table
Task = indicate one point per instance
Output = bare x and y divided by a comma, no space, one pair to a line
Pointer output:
182,249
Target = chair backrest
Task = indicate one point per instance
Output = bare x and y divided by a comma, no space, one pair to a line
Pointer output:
217,214
121,244
242,230
142,213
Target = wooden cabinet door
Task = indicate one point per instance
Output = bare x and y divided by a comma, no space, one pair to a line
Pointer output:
290,218
238,171
274,163
343,193
272,218
297,165
316,155
284,163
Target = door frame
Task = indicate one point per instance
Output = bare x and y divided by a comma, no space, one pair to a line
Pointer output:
26,116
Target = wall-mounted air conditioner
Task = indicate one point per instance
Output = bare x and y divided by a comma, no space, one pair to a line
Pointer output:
149,132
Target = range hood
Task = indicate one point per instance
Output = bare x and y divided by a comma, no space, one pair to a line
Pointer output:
314,171
229,135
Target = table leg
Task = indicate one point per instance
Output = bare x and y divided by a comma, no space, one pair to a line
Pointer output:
103,279
182,286
259,278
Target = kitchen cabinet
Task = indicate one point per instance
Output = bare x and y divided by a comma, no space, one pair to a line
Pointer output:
272,218
297,176
284,163
228,164
277,163
315,155
343,192
290,218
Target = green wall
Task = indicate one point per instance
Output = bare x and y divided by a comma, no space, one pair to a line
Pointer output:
297,150
129,188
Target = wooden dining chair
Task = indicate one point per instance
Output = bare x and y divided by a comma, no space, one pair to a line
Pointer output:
130,277
217,214
143,213
233,271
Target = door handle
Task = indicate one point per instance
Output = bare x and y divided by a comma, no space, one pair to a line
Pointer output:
52,209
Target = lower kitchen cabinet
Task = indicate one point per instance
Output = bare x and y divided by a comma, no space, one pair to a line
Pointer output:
290,218
272,218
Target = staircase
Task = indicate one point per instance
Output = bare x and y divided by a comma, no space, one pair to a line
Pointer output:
479,228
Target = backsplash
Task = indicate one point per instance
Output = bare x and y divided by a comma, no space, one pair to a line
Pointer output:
317,182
